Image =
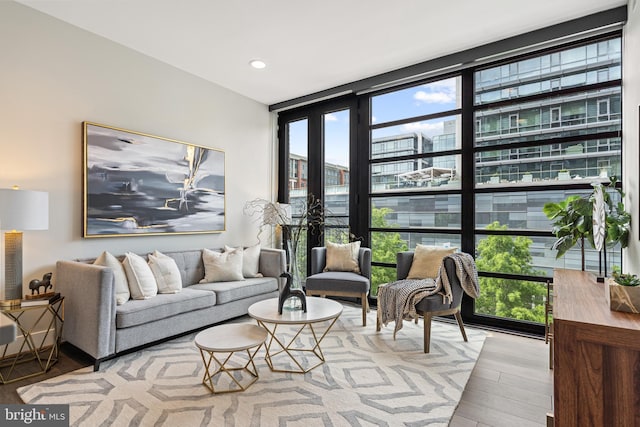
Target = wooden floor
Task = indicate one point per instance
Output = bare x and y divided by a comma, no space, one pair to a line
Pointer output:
510,386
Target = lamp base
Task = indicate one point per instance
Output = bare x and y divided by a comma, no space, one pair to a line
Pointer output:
12,266
10,303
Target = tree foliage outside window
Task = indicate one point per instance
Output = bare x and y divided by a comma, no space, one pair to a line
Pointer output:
384,247
515,299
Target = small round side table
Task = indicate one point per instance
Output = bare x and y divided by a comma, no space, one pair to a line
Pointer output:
229,339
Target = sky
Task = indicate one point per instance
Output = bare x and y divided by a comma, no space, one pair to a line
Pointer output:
411,102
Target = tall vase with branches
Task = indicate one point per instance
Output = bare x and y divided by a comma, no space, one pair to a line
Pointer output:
309,216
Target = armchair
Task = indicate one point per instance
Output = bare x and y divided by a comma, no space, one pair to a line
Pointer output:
340,283
434,305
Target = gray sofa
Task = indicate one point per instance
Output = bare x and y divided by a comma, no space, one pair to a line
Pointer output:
102,329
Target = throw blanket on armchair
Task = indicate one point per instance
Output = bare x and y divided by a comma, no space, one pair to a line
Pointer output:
397,300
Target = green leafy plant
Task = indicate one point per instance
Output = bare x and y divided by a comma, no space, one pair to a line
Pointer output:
625,279
572,221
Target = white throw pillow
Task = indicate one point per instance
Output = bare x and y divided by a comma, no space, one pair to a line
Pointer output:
166,272
119,276
250,260
342,257
222,266
142,284
427,261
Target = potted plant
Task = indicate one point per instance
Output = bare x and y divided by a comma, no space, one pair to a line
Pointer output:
623,292
573,221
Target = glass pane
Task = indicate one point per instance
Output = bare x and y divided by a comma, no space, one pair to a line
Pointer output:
534,256
512,299
297,137
415,101
433,173
380,275
550,164
440,210
554,117
336,167
416,138
577,66
386,244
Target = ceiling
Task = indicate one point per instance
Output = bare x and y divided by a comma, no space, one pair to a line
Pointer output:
308,46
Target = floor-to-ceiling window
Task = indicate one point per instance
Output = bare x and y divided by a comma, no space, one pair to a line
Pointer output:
468,159
317,155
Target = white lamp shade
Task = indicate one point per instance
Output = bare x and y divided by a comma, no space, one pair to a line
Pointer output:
24,209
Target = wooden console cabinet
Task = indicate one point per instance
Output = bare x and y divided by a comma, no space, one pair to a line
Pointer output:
596,379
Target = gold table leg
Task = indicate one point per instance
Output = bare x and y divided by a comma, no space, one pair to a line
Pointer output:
209,376
288,349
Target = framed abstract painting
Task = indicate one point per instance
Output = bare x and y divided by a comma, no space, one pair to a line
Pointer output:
138,184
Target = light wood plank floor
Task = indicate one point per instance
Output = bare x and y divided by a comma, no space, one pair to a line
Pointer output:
511,385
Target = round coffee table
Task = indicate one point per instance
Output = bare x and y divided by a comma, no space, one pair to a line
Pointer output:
321,313
229,339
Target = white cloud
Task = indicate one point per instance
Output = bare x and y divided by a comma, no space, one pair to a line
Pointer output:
373,119
440,92
429,129
330,117
433,97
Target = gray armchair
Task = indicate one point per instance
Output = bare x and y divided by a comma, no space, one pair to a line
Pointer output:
340,283
434,305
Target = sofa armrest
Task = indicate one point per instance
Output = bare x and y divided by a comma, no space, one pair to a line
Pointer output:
273,262
90,306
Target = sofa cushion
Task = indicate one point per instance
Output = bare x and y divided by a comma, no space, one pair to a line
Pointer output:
166,272
250,260
332,281
232,291
138,312
190,265
106,259
222,266
142,283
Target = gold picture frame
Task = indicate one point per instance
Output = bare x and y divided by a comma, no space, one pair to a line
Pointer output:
136,184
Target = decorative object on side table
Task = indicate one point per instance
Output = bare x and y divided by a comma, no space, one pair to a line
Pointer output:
287,293
36,284
623,292
19,210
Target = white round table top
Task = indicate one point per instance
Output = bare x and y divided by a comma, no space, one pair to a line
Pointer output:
231,337
318,310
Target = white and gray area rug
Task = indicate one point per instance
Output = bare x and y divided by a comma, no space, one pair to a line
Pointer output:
368,380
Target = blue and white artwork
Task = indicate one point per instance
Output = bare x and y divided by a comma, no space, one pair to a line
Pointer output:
139,184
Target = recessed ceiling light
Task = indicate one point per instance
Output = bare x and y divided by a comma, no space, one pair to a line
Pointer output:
256,63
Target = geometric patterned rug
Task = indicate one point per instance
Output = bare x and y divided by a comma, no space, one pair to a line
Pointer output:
368,379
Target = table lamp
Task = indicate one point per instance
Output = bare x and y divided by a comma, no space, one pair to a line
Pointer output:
19,210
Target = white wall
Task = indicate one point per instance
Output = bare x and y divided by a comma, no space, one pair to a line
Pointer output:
53,76
630,133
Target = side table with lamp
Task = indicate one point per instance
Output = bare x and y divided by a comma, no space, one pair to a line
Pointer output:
23,210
